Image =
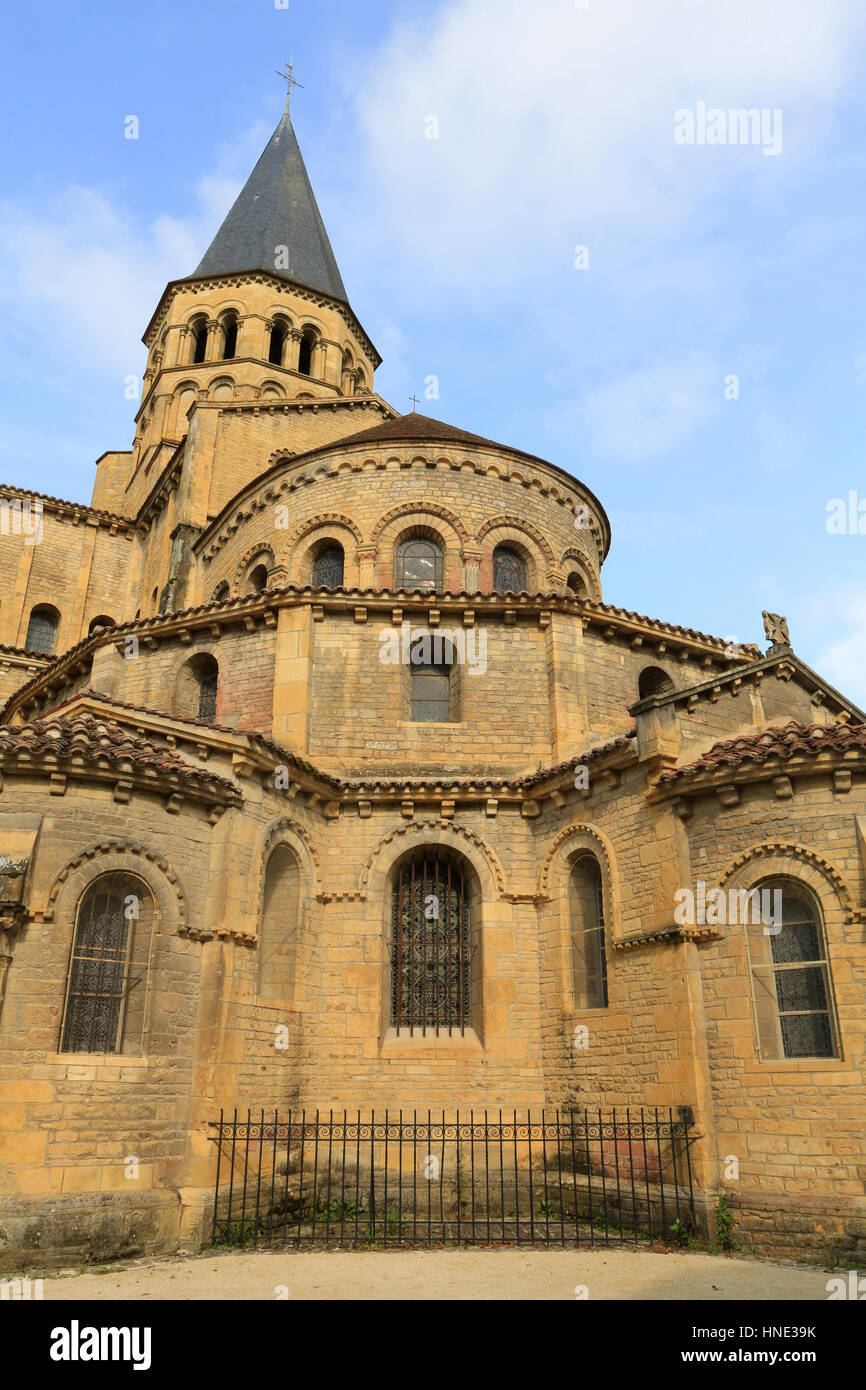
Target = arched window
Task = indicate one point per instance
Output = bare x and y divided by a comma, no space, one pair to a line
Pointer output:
196,689
577,584
258,580
653,681
199,339
588,954
106,986
96,623
277,344
509,571
431,663
221,592
792,985
278,935
305,353
419,564
230,336
431,974
42,629
328,567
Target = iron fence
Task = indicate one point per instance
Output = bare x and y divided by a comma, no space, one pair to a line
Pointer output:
555,1178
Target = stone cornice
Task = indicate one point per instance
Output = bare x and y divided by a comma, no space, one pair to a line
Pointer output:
267,488
73,512
724,782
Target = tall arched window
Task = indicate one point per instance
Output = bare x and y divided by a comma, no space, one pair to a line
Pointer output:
509,571
42,629
431,974
106,986
230,335
199,339
277,344
577,584
305,353
588,953
278,936
792,985
197,687
328,567
419,564
653,681
207,674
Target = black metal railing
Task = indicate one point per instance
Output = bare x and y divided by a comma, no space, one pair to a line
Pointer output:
555,1178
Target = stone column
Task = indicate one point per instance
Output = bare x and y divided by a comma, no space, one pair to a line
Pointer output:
367,565
566,686
293,670
471,557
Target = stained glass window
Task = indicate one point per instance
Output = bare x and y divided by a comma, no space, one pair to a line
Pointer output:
419,564
431,982
42,630
328,568
509,571
792,976
98,983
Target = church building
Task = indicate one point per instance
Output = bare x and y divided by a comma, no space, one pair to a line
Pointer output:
329,780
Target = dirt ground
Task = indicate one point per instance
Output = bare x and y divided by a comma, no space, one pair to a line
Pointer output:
447,1274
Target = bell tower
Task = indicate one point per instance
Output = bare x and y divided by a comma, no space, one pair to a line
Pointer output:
263,317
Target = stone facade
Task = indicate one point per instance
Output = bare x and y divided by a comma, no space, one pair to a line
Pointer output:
578,730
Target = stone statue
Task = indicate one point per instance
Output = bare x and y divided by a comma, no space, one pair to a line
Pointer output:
776,629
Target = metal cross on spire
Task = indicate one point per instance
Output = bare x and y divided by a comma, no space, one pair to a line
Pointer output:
290,80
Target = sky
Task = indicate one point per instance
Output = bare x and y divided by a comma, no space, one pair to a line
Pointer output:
533,205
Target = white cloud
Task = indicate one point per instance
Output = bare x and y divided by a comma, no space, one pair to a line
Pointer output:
650,411
556,124
80,273
841,659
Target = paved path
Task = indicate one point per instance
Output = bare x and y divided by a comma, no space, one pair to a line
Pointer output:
448,1274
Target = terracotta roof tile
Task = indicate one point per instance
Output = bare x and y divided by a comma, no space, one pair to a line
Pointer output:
97,743
781,741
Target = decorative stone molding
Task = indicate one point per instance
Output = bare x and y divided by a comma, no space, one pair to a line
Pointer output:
421,508
119,856
438,832
516,523
786,851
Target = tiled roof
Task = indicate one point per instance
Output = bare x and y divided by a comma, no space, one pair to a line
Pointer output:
421,428
277,207
781,741
82,738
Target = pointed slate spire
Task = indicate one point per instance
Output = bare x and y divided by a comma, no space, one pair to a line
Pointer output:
277,208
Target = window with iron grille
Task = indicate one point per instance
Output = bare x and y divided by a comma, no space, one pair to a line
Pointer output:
328,568
431,981
42,630
207,694
99,983
792,986
509,571
419,564
589,956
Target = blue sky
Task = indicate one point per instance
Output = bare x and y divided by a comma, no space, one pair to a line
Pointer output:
555,130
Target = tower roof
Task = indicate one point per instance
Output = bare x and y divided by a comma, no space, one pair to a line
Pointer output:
277,208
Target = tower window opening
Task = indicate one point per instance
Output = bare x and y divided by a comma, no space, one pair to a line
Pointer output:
328,568
42,629
277,345
230,337
509,571
305,355
199,340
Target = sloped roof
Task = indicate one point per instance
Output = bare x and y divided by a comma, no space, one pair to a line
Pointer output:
277,207
779,742
424,429
98,743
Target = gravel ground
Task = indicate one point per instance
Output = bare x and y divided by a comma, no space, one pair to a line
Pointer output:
446,1274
